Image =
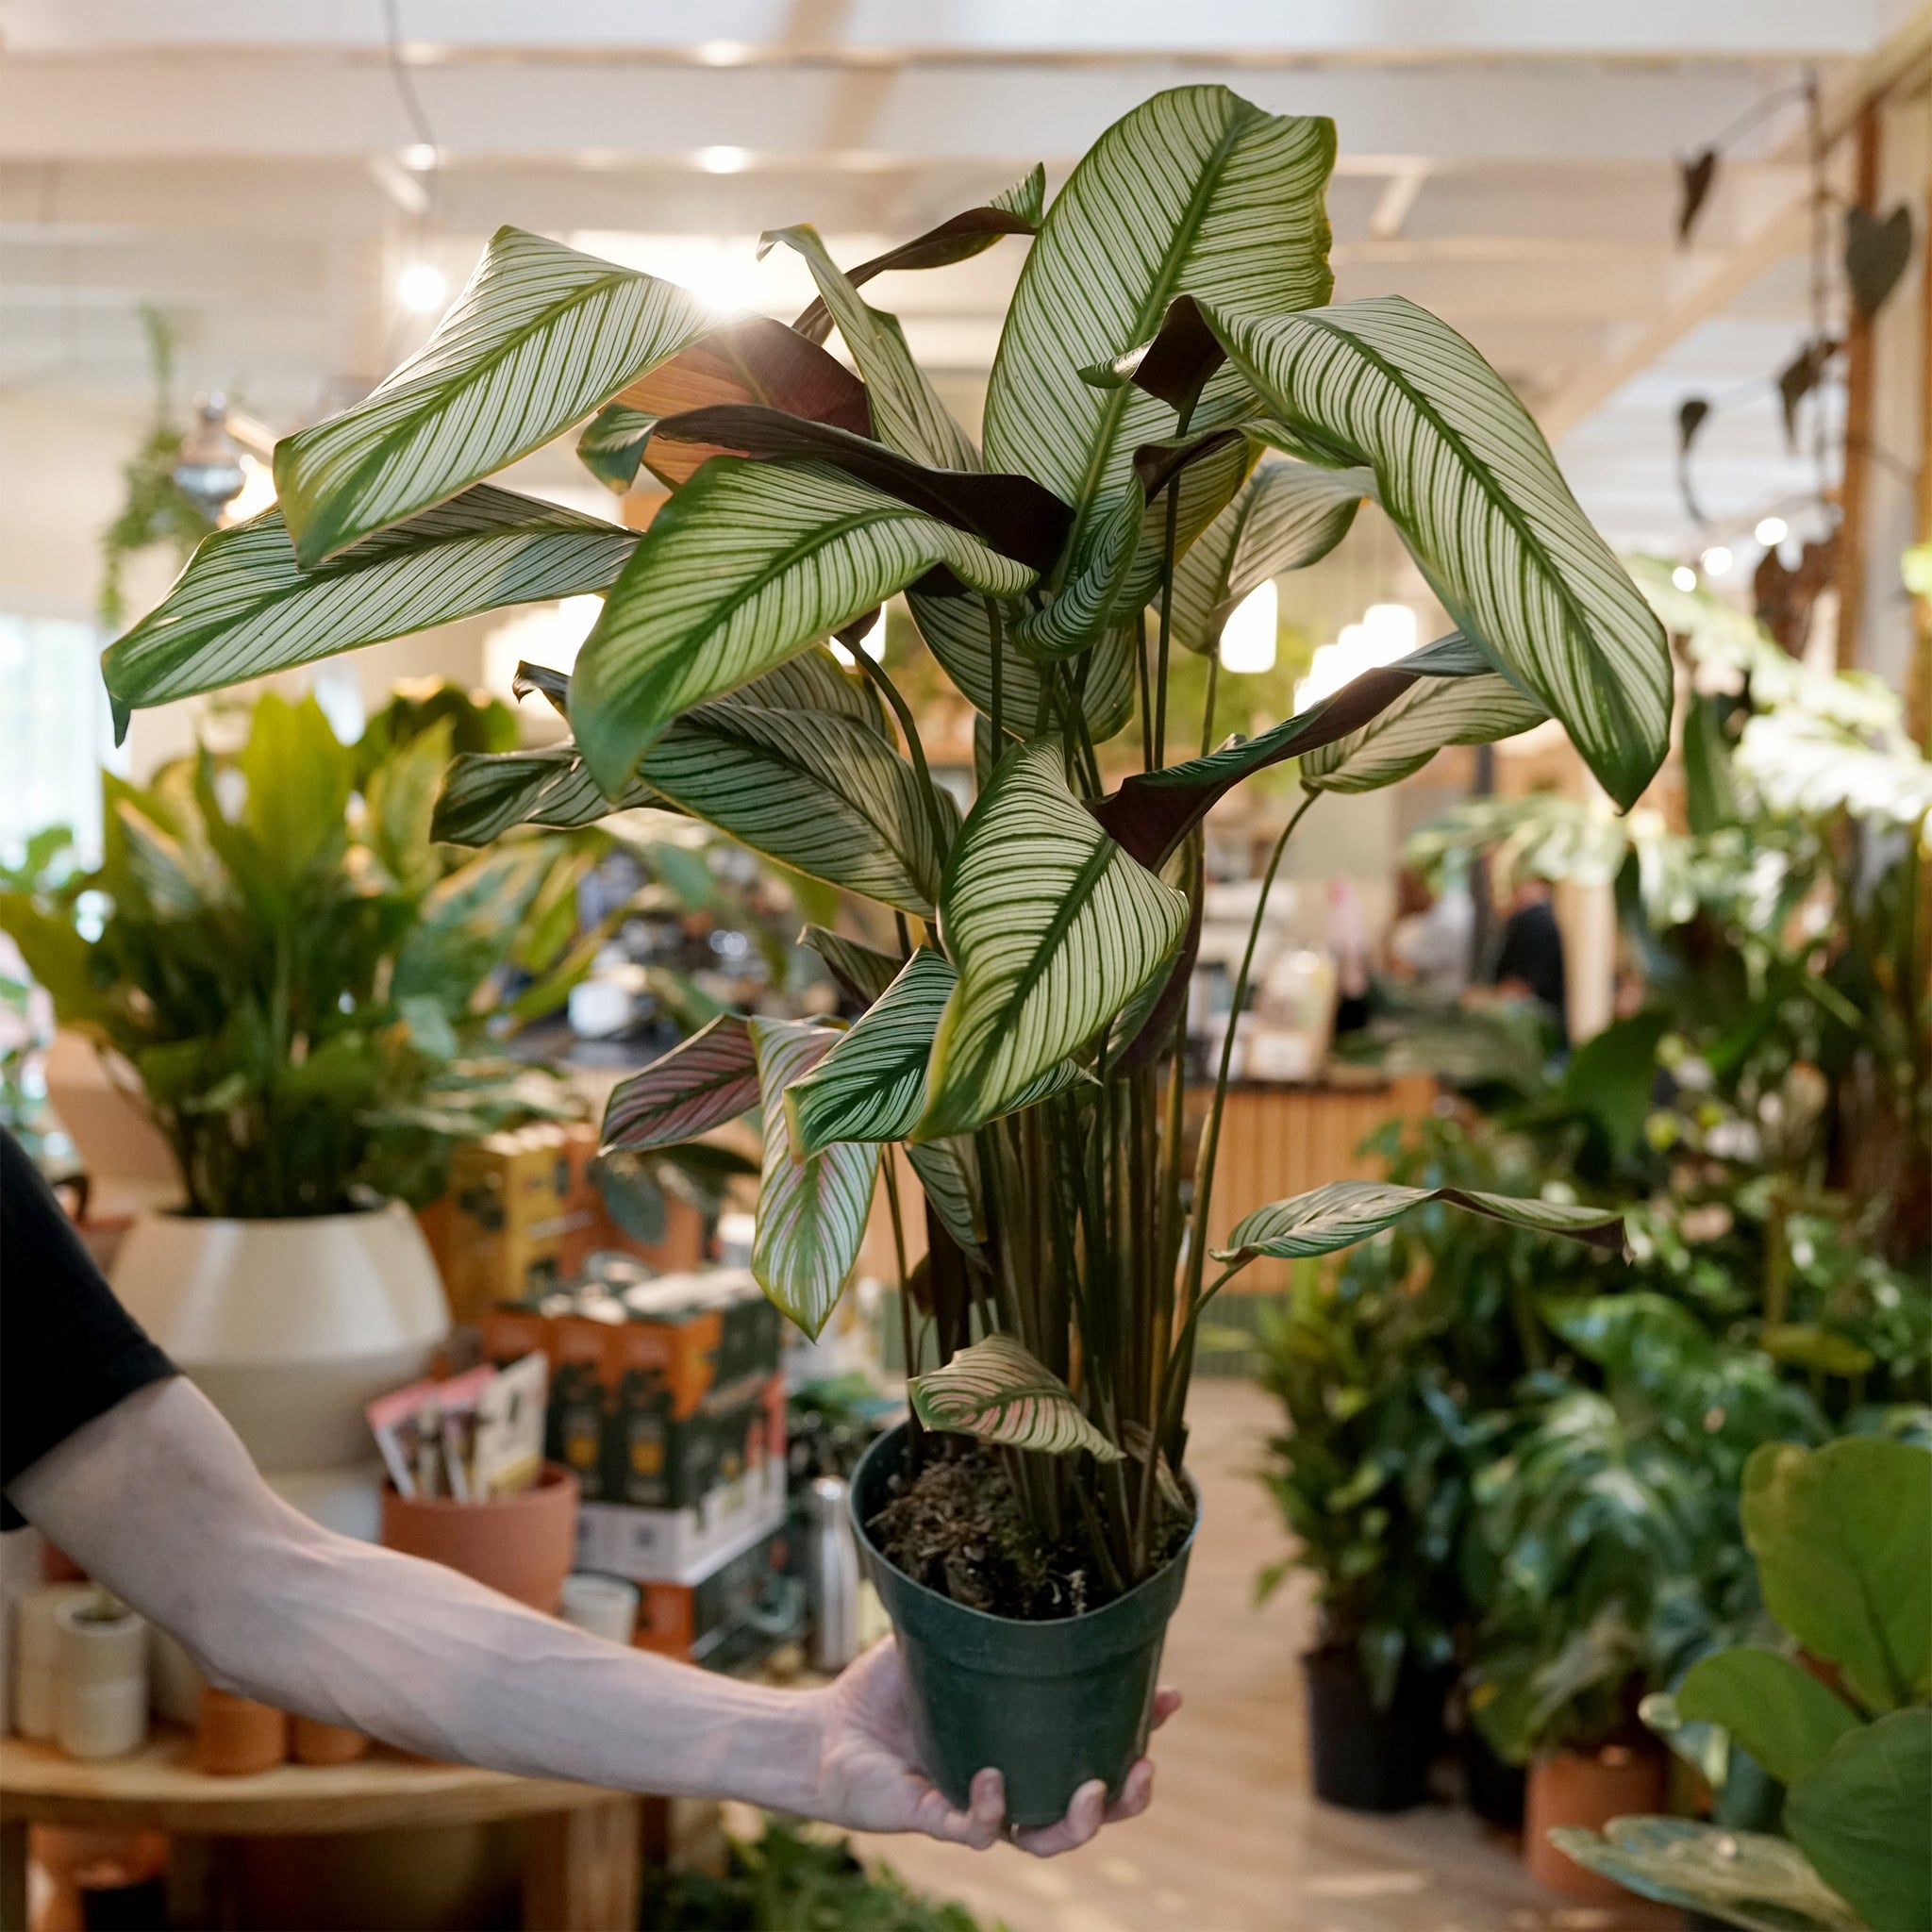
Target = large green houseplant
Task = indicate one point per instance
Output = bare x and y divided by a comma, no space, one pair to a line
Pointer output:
1172,324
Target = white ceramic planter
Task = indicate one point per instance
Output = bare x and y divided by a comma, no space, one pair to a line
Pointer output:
289,1327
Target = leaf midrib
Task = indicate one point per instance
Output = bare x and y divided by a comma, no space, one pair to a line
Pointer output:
1072,903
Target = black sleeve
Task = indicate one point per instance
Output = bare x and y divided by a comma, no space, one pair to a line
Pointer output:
69,1351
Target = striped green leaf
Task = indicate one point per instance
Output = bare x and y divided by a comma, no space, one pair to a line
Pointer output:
613,444
746,566
1053,929
815,790
1285,517
539,338
948,1171
811,1212
907,414
871,1085
1344,1212
995,1390
485,793
700,1084
1197,191
244,608
958,633
1433,712
862,971
1466,476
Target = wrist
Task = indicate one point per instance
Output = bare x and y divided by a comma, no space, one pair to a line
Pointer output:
781,1755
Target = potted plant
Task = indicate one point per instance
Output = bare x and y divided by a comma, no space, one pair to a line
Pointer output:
1171,325
1606,1554
1841,1715
297,980
1372,1479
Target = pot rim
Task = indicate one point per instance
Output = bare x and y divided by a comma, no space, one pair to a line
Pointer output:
551,1478
895,1436
180,1212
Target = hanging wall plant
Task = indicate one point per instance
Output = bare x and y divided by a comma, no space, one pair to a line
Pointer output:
1171,329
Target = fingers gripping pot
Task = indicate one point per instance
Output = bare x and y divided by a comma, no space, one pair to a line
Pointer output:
1051,1705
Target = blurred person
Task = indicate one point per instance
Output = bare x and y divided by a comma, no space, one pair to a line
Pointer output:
126,1466
1432,942
1529,963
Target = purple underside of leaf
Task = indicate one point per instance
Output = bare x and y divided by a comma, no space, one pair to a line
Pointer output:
711,1079
1012,515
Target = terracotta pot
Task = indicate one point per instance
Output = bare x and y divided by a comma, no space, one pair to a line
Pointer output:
311,1742
522,1545
1586,1789
235,1737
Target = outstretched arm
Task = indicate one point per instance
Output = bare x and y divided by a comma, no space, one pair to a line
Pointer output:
158,1500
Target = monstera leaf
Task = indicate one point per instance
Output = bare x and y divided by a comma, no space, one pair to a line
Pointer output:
1053,929
811,1211
1468,479
244,607
746,566
1344,1212
539,338
995,1390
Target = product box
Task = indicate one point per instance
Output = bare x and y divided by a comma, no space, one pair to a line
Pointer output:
735,1612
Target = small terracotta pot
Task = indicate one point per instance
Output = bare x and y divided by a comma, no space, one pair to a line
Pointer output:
522,1545
1586,1789
311,1742
235,1737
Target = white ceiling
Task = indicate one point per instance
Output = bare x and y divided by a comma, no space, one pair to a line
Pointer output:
1508,163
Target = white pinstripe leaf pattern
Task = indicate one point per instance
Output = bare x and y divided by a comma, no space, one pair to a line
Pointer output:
871,1085
862,972
1197,192
907,414
243,607
747,565
815,790
1344,1212
613,444
1053,929
486,793
957,633
1435,711
700,1084
1466,476
948,1172
995,1390
1285,517
540,337
811,1212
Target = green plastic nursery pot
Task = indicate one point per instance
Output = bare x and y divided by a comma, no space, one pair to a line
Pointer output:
1051,1704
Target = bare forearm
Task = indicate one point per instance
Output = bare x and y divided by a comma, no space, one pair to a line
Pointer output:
163,1507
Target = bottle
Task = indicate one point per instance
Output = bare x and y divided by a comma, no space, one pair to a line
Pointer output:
831,1560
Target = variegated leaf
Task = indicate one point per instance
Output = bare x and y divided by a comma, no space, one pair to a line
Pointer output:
1053,929
708,1079
811,1212
613,444
539,338
244,608
1285,517
907,414
948,1171
993,1390
871,1085
860,970
747,565
1466,476
815,790
1344,1212
1434,712
1197,191
485,793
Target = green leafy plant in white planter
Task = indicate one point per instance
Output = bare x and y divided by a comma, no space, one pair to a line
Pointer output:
1170,342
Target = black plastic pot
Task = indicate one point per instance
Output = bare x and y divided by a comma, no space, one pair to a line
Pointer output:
1495,1786
1051,1704
1364,1759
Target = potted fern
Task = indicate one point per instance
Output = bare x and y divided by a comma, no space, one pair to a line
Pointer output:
1175,413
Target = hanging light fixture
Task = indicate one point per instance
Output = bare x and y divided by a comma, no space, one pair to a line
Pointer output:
208,466
1247,638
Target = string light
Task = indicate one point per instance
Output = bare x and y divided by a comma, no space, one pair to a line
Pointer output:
1772,531
422,288
724,161
1684,578
1716,560
1247,638
1386,633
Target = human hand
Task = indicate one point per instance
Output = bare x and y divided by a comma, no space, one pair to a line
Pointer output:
869,1779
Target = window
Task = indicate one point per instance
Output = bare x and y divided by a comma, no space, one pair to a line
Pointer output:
56,730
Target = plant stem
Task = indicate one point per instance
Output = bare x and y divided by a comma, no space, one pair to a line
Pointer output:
1207,703
914,750
1169,543
999,653
915,1432
1146,696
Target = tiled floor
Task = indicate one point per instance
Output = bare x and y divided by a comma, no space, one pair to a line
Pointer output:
1234,1842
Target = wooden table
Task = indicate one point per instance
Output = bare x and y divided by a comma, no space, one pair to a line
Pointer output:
581,1867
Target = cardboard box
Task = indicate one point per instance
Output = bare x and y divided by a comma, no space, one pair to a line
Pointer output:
743,1606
